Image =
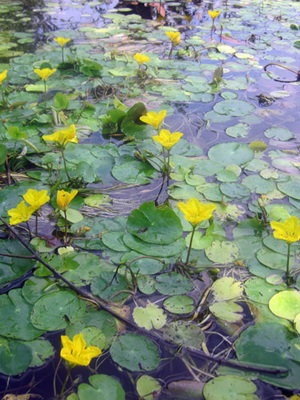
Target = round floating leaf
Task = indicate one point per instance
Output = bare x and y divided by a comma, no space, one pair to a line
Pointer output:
146,284
239,130
259,185
15,357
135,352
108,284
226,288
222,252
286,304
184,333
148,387
41,350
229,153
235,190
114,240
102,387
150,317
15,317
151,224
173,283
228,311
257,289
277,133
179,304
271,259
234,108
54,311
291,187
154,250
133,171
230,387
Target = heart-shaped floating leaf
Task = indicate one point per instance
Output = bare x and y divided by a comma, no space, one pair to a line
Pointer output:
184,333
149,317
157,225
179,304
230,387
226,288
229,153
148,387
15,357
286,304
102,387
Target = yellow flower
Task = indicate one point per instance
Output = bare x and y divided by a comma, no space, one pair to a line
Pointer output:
63,198
195,212
167,139
141,58
21,213
36,198
44,73
213,14
153,118
63,136
62,41
289,230
76,352
174,37
3,76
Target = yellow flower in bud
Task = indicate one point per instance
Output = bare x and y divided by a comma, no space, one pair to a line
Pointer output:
36,198
62,41
289,230
63,198
213,14
20,214
174,37
154,118
63,136
141,58
195,211
167,139
44,73
76,352
3,76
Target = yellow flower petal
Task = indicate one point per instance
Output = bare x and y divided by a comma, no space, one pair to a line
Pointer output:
174,37
36,198
167,139
62,41
141,58
3,76
76,352
213,14
63,198
20,214
63,136
289,230
195,211
44,73
154,118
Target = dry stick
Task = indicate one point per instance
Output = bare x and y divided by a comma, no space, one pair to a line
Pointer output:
101,303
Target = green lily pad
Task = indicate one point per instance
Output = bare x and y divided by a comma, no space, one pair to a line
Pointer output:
226,288
229,387
41,350
173,283
228,153
10,361
234,108
285,304
149,317
222,252
147,387
157,225
238,130
228,311
184,333
102,387
135,352
258,290
154,250
131,170
259,185
278,133
290,187
179,304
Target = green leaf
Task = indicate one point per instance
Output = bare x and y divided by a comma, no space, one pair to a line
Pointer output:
61,101
286,304
148,387
102,387
154,250
149,317
179,304
226,288
184,333
222,252
173,283
228,153
135,352
278,133
41,350
15,357
157,225
234,108
230,387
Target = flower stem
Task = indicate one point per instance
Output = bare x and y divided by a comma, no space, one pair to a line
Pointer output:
62,54
66,225
36,223
171,50
190,246
65,383
289,279
65,165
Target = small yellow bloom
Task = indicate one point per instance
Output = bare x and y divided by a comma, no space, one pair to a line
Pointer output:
63,136
62,41
76,352
167,139
289,230
20,214
153,118
44,73
63,198
3,76
195,211
213,14
36,198
141,58
174,37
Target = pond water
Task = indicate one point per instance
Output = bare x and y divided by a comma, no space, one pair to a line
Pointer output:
231,86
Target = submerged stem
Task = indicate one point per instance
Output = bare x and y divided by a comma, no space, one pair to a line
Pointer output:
190,246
